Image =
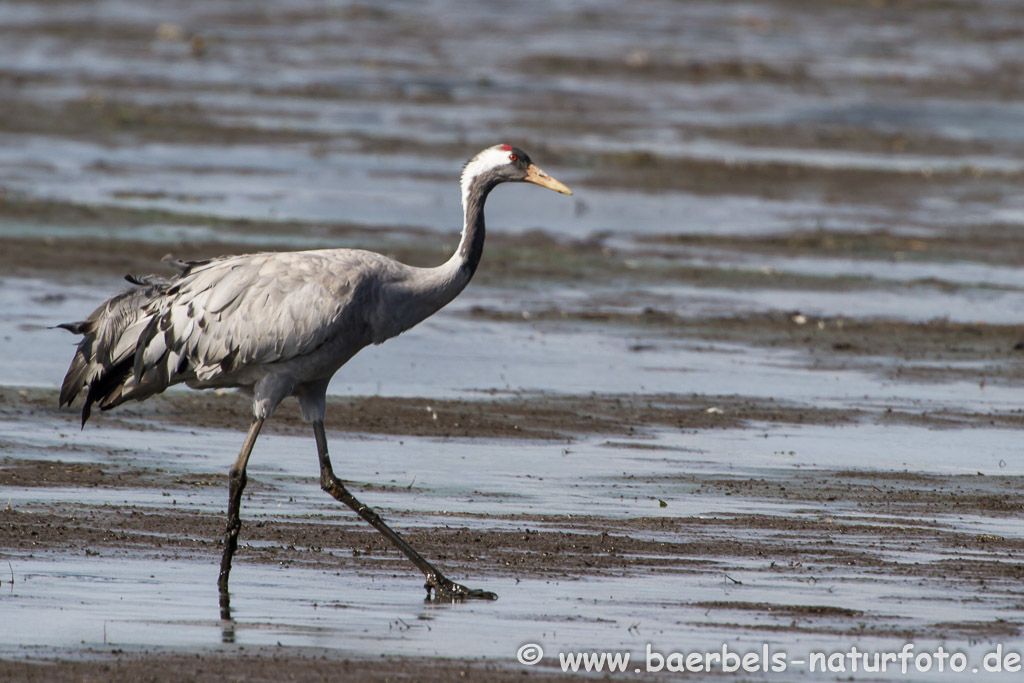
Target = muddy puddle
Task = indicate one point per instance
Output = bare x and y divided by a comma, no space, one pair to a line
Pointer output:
754,386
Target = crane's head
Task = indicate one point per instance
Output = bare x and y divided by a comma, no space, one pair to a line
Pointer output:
505,164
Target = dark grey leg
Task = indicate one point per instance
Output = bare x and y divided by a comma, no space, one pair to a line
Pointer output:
443,589
236,482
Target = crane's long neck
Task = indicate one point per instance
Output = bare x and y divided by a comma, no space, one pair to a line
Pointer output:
427,290
452,277
471,245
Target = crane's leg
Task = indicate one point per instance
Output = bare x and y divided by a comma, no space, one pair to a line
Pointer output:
236,483
442,589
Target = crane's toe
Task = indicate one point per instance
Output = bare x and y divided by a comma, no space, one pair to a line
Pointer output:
440,589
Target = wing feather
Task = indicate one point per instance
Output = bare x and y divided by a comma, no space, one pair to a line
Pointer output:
262,308
219,317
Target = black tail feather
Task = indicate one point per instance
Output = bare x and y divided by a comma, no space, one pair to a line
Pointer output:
74,328
106,387
93,367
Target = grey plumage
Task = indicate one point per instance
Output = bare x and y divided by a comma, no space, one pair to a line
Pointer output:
235,321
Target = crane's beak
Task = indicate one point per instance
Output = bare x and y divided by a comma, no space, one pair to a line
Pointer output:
538,177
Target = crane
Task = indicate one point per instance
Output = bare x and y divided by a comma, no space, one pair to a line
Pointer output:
280,324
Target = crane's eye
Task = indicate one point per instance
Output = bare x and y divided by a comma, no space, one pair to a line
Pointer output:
513,157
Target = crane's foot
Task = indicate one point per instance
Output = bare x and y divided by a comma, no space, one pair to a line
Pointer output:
440,589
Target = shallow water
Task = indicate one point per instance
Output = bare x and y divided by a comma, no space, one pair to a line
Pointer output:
303,608
127,600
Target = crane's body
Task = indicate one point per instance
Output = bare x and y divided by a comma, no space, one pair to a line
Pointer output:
276,325
272,324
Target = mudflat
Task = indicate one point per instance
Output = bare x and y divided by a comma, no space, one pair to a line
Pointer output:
755,386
